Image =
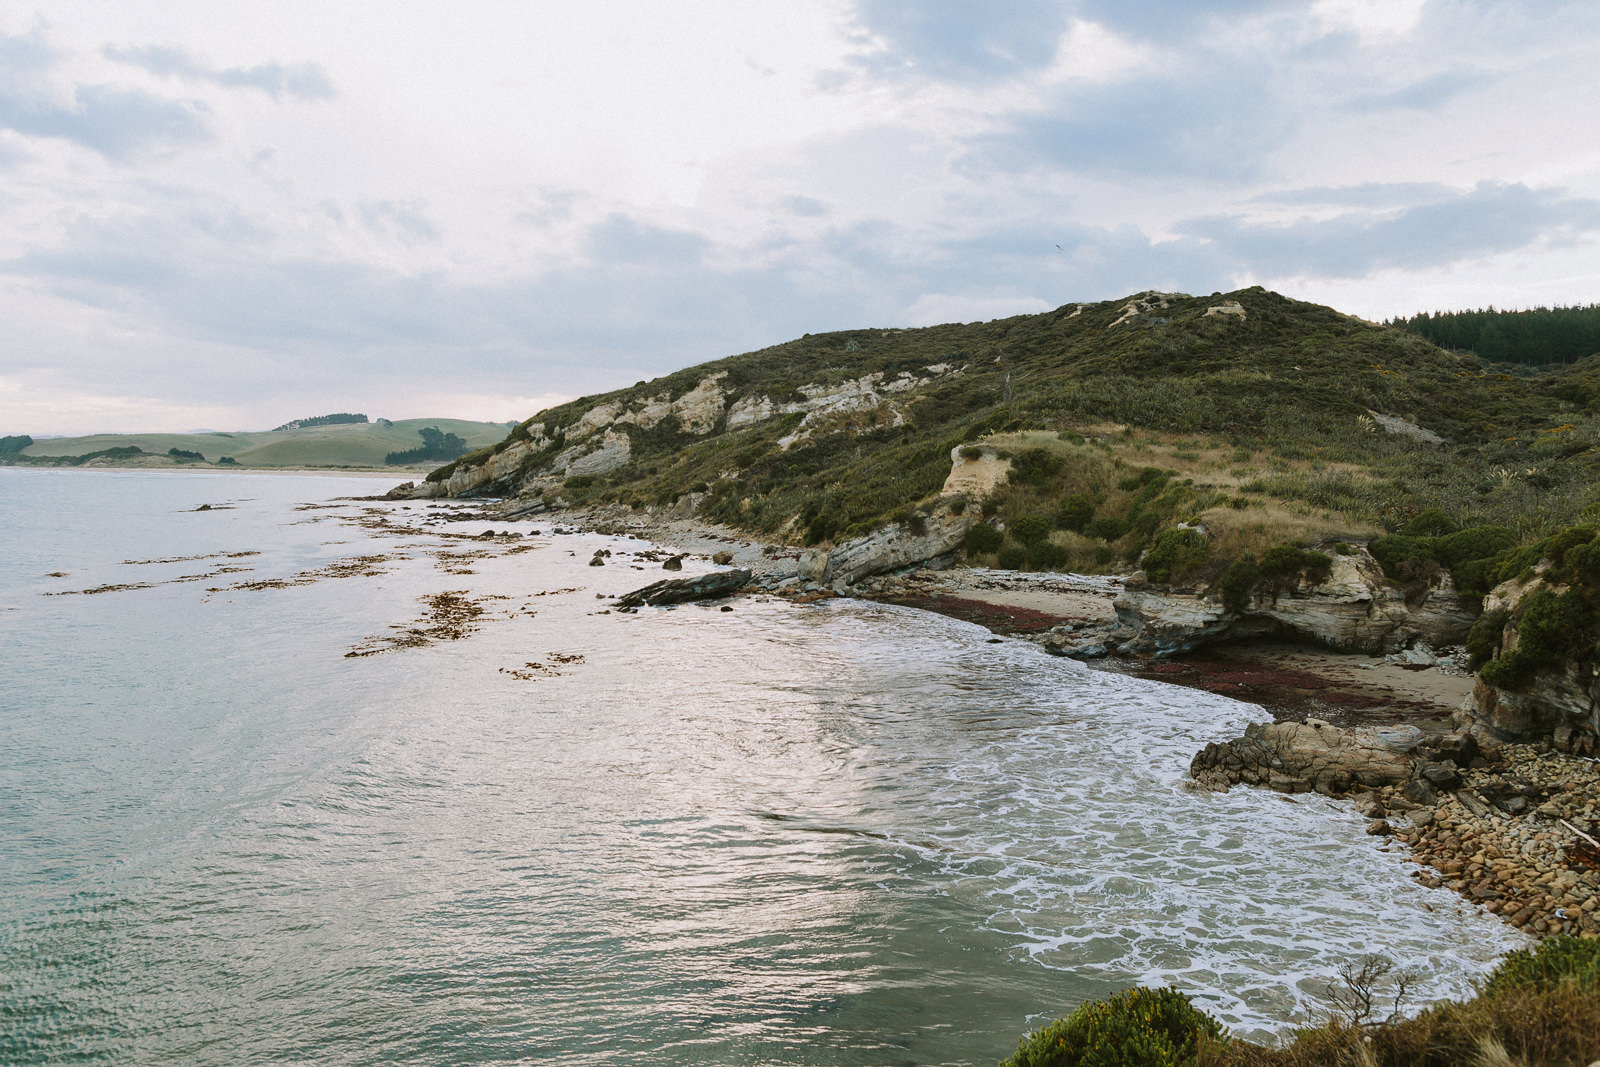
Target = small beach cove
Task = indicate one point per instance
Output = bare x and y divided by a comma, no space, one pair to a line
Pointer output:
841,832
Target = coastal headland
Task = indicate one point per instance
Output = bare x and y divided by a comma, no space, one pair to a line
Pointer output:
1240,493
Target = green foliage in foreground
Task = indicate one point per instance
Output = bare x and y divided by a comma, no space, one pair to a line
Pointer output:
1540,1008
1135,1028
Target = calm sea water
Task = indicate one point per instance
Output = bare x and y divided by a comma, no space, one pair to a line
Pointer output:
837,834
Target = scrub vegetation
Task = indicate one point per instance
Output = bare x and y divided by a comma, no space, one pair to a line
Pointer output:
1285,422
1539,1008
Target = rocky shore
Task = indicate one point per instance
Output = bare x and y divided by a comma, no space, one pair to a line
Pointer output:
1510,827
1368,719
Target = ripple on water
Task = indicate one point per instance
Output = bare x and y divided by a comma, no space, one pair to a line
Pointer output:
843,833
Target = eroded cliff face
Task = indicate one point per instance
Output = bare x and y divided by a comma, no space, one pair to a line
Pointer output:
1561,701
1354,610
599,441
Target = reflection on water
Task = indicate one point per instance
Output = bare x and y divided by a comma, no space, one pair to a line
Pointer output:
838,834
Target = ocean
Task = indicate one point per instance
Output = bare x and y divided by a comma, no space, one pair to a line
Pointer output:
289,777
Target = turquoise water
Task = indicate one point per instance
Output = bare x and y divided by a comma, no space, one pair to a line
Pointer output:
837,834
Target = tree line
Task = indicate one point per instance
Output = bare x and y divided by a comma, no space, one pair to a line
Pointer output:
1536,336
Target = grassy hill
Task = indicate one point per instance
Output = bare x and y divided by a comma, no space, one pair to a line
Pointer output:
347,445
1267,418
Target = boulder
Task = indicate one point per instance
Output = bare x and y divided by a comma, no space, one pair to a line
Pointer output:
723,558
1312,756
895,546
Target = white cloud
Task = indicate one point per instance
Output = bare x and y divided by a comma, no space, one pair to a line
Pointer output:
209,205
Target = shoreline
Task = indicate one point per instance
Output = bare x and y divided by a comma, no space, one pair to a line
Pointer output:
1488,836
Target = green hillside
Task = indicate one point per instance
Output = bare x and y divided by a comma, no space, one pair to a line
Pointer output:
1294,418
346,445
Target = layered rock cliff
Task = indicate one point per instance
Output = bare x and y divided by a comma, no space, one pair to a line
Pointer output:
1353,609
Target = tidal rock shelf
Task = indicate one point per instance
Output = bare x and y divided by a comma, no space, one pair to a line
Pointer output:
1511,827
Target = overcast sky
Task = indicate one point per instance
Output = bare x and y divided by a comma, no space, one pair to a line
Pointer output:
227,216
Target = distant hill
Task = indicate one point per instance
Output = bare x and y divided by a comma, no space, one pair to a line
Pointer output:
338,444
1264,418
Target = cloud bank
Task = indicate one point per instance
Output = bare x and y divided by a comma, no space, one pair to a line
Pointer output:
233,215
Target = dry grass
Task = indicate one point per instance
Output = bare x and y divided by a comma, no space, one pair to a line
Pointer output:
1262,525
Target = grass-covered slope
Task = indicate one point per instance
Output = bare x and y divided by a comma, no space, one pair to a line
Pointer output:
339,445
1293,415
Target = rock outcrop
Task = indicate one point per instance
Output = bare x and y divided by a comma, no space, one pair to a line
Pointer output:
897,545
600,442
1312,756
1354,610
681,590
1560,701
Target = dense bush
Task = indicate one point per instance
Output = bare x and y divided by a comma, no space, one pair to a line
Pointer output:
1285,565
1136,1028
1030,529
1550,626
1036,466
1076,512
1107,527
1177,553
1399,554
1046,556
1011,557
1476,543
1547,965
1483,640
1429,523
983,538
185,455
1238,581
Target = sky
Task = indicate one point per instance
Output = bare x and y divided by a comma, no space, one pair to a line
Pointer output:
226,216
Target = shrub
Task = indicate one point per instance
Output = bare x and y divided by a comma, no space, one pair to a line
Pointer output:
1483,640
1479,542
1583,562
1011,557
1429,523
820,528
1036,466
971,452
1076,512
1177,553
1238,581
1557,547
1107,528
1546,966
1030,529
1136,1028
983,538
1549,627
1398,554
1046,556
579,481
1286,564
